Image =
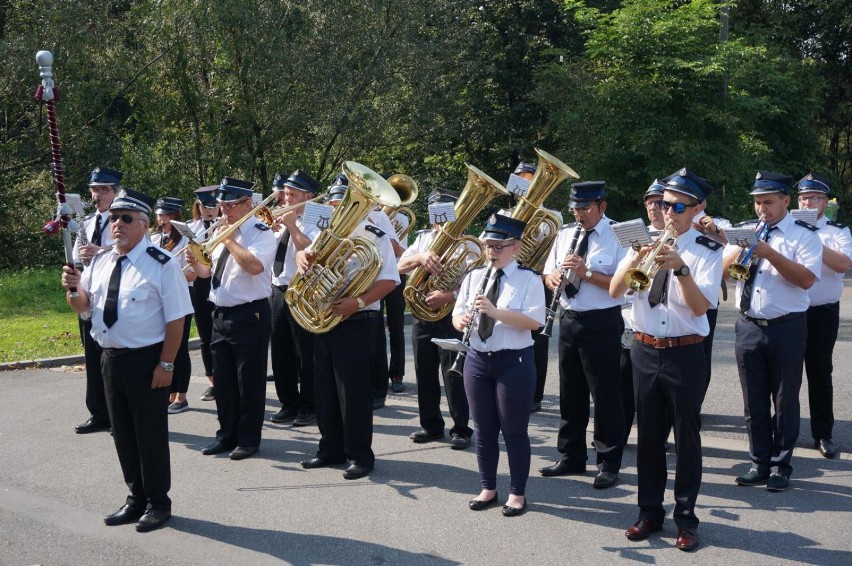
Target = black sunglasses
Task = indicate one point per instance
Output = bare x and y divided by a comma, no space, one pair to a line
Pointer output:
126,218
678,207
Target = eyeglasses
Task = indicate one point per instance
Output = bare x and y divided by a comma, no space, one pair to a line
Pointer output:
808,198
577,209
230,205
499,248
101,188
678,207
126,218
651,204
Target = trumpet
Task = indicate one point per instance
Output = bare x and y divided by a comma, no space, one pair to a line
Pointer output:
739,270
639,278
282,210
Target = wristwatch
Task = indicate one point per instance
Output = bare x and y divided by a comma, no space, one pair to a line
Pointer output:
360,302
682,272
588,274
168,366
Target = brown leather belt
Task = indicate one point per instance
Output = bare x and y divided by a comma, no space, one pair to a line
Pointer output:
675,342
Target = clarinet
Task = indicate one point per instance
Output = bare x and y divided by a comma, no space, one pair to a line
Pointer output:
554,303
458,365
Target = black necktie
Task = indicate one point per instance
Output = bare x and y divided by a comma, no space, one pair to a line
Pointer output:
659,287
281,253
207,224
748,286
573,286
111,304
220,268
486,323
96,233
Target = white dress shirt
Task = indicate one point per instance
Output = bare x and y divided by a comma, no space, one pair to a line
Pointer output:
830,285
88,228
238,286
290,269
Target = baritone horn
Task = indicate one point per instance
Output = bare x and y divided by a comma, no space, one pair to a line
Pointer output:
407,190
639,278
739,270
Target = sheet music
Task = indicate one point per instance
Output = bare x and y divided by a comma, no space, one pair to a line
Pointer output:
316,214
74,201
442,212
256,199
184,230
517,185
808,215
631,233
743,237
452,344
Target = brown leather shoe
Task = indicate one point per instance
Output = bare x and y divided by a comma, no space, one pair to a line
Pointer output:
643,528
687,539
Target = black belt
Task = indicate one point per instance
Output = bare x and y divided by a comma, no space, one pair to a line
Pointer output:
771,321
586,314
501,353
242,306
361,315
117,352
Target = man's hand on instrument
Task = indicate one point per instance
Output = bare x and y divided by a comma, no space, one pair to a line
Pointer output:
553,279
70,278
668,258
437,299
345,307
575,263
466,319
484,306
431,262
304,259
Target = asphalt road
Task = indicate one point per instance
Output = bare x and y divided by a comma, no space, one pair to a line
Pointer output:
55,487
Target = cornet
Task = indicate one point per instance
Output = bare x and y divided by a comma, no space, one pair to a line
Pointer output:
639,278
739,270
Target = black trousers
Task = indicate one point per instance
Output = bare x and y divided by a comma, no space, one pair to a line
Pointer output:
627,391
394,306
430,364
240,347
541,348
823,322
342,358
589,363
379,359
203,320
669,389
96,401
769,360
712,315
292,357
140,425
183,365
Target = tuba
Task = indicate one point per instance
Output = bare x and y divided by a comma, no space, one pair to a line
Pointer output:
542,225
407,190
452,247
343,266
639,278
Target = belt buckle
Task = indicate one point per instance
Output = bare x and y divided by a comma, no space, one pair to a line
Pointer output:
762,322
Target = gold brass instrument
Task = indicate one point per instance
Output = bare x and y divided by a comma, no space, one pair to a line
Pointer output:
407,190
542,225
453,248
282,210
739,270
203,251
343,266
639,278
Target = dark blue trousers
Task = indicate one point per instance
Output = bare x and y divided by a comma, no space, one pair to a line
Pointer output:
823,322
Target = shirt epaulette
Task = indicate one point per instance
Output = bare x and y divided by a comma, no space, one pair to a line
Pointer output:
712,245
835,224
525,268
375,230
611,222
261,226
804,224
157,254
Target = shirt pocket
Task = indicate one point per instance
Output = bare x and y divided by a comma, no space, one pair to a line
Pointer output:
601,262
133,305
510,299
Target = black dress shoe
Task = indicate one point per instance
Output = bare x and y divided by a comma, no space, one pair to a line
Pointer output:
753,477
152,519
92,425
826,447
215,448
318,462
127,514
562,468
242,452
422,436
356,471
605,480
459,442
515,511
482,504
643,528
378,403
285,415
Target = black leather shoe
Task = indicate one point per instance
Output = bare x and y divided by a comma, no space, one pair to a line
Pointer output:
535,407
318,462
643,528
826,447
562,468
752,477
459,442
285,415
422,436
214,448
356,471
152,519
515,511
91,425
127,514
482,504
242,452
777,482
378,402
605,480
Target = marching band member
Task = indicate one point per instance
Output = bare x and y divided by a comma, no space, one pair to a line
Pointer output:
429,359
589,340
292,345
823,314
103,185
241,277
394,307
342,363
771,332
205,213
668,359
499,388
168,209
138,299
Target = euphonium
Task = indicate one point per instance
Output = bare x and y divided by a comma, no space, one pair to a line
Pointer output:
739,270
407,190
542,225
343,266
639,278
453,248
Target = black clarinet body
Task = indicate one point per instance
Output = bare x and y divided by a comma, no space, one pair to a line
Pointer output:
554,303
458,365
